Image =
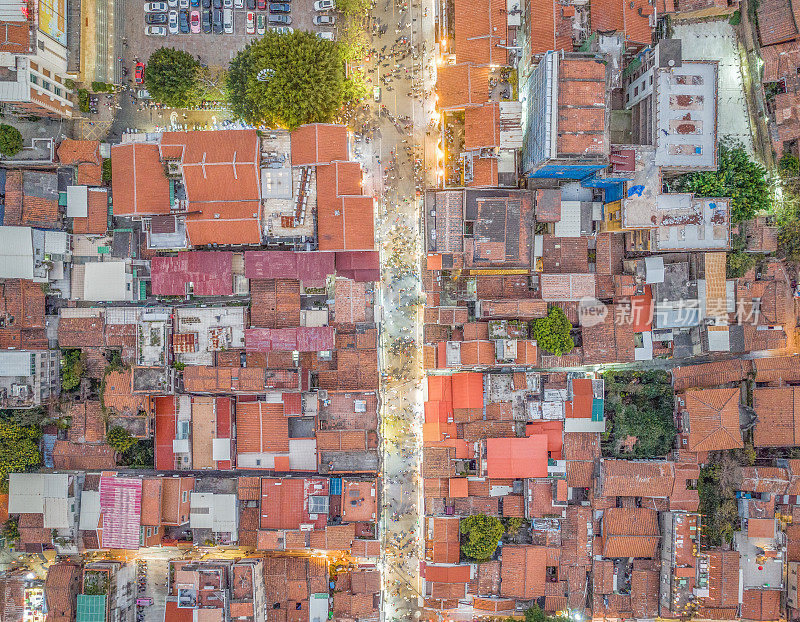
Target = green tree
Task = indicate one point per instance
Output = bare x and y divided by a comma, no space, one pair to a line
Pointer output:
789,165
120,439
171,77
107,170
72,369
302,80
552,332
737,177
482,534
11,530
19,449
10,140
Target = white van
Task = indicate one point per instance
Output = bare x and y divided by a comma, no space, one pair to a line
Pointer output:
227,20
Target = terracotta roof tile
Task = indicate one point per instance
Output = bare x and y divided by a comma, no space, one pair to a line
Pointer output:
761,604
462,85
261,427
80,332
630,532
61,589
139,184
776,22
714,419
96,221
629,478
74,456
523,571
119,396
723,579
76,151
707,375
778,412
318,143
550,27
481,31
481,124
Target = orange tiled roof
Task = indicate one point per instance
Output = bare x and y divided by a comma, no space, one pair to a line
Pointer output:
714,419
723,579
462,85
481,28
261,427
630,478
16,36
96,220
345,218
523,571
318,143
119,396
139,183
778,412
484,173
630,18
764,605
630,532
550,27
76,151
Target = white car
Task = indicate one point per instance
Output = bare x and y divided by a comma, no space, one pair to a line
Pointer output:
173,22
328,36
184,4
324,5
227,4
239,4
227,21
173,4
324,20
158,31
251,23
155,7
283,30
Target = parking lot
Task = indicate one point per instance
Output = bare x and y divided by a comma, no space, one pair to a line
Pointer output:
211,49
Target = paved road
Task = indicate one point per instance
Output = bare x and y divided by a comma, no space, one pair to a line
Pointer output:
389,162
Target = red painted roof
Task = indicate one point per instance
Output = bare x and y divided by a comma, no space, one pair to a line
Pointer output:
165,433
224,426
302,339
210,272
642,311
121,508
582,397
468,390
440,388
360,266
345,218
517,457
553,430
311,269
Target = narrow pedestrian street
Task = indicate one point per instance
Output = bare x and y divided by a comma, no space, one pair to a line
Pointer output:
403,67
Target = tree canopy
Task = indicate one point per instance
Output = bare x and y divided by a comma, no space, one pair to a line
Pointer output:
120,439
482,535
738,177
10,140
171,77
19,449
302,80
72,368
638,410
552,332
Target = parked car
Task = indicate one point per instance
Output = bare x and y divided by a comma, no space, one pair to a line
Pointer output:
183,22
183,4
324,20
227,4
227,20
283,30
206,4
206,21
173,22
138,73
324,5
142,94
155,18
173,4
280,19
328,36
280,7
239,4
262,5
155,7
261,24
251,5
217,4
250,23
217,21
156,31
194,21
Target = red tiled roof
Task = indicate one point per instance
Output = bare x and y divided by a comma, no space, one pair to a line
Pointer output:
80,332
778,412
96,220
707,375
523,571
714,419
311,269
281,503
567,286
209,272
629,478
462,85
318,143
723,579
139,183
776,22
630,532
762,605
550,27
76,151
261,427
16,36
484,173
302,339
630,18
761,528
480,29
60,588
345,218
